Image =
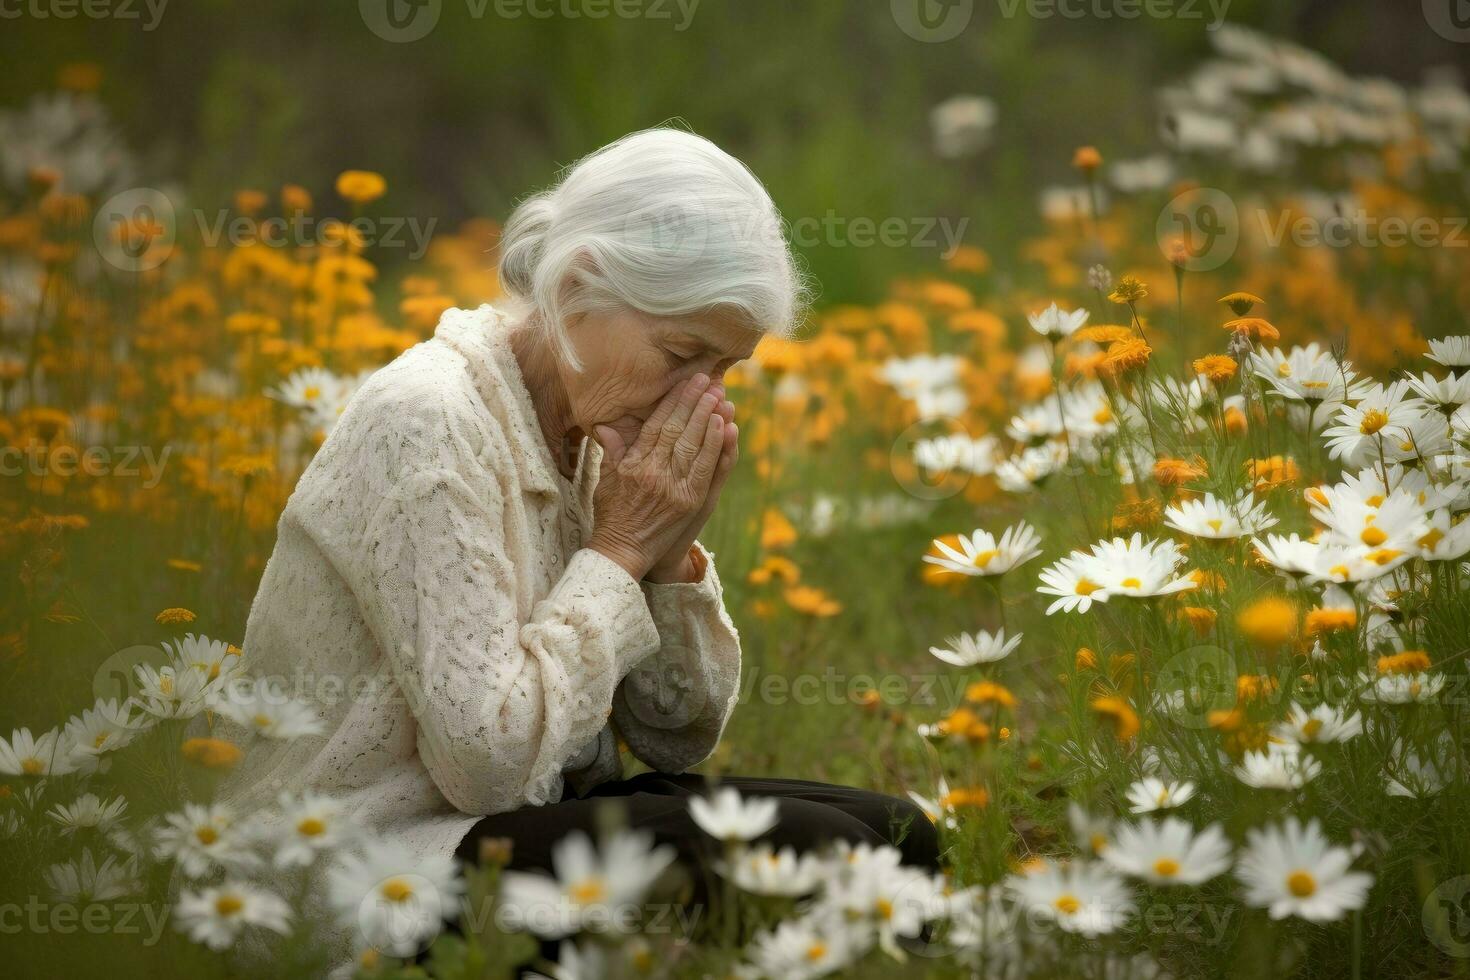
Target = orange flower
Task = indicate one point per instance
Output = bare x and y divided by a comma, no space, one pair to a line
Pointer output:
1104,333
173,616
1137,515
1085,659
212,753
1201,618
774,567
1271,472
361,186
1125,357
988,692
1269,622
1120,713
776,530
1408,662
1253,327
1170,472
968,258
1219,368
1241,303
812,601
1128,290
1087,159
1331,621
961,798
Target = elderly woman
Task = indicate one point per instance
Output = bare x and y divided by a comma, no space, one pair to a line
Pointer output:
489,574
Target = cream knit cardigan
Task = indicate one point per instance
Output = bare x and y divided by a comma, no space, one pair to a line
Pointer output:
430,595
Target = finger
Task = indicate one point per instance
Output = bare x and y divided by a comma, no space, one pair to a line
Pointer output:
648,437
678,419
613,447
687,448
729,454
709,453
726,410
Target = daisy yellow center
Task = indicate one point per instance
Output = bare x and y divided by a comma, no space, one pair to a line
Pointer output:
1067,904
32,767
1312,727
397,890
101,740
1163,797
166,684
1314,385
262,721
588,890
1215,524
1375,501
1166,867
1283,370
1103,416
984,558
1373,420
884,908
1098,842
1373,536
312,391
1301,884
227,905
816,952
1431,540
1132,583
311,827
206,835
1086,586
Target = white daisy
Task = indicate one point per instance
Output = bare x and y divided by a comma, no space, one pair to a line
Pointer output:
214,658
309,826
173,691
1413,688
88,813
1452,352
25,755
1324,723
802,949
1213,518
204,837
1445,394
1151,793
105,727
980,554
762,870
1282,765
394,901
1294,870
1091,833
1071,580
1055,323
83,880
1169,853
726,816
1081,897
591,885
1366,431
306,387
216,916
1289,554
267,710
1138,569
966,650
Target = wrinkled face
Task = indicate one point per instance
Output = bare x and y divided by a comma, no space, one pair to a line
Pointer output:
631,360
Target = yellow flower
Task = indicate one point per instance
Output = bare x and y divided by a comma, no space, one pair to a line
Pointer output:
1219,368
173,616
1087,159
1331,621
361,186
775,568
244,464
1125,357
959,798
1408,662
1169,472
988,692
1104,333
1085,659
812,601
1270,472
1120,713
776,530
212,753
295,198
184,565
1199,617
1253,327
968,258
1128,290
1269,622
1241,303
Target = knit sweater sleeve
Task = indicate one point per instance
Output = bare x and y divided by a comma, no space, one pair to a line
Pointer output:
500,703
672,708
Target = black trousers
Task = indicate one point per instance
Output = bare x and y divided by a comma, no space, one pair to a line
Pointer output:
811,815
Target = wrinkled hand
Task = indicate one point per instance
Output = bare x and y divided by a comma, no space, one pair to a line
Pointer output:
650,492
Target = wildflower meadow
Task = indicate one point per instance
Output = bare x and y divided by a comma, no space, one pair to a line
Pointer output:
1131,546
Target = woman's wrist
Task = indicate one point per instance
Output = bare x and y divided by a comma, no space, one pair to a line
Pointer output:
630,559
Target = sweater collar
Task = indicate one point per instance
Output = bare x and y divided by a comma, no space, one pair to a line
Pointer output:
482,337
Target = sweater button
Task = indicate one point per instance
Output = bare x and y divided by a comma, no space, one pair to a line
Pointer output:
478,565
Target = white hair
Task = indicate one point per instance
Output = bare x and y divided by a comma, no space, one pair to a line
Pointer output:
662,222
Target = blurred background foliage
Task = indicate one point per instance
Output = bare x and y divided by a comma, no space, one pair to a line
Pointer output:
826,101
